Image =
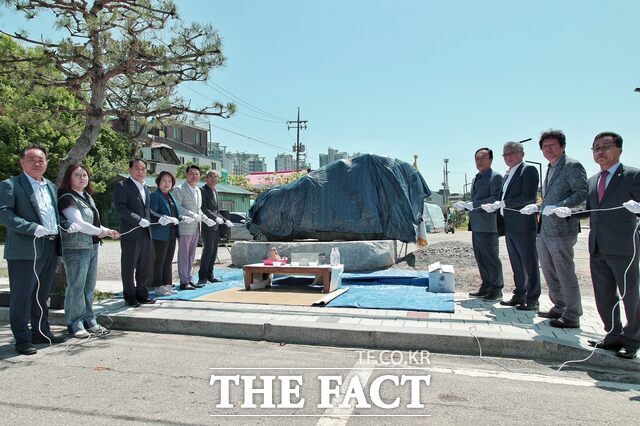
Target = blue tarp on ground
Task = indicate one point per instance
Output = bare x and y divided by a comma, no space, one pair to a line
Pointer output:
400,289
392,289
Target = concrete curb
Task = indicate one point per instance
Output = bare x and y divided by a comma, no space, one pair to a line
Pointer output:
459,342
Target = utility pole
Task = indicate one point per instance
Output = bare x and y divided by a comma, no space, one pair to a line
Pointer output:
297,125
445,183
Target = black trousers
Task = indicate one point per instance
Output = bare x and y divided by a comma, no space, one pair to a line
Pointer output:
24,306
523,257
486,252
210,241
135,261
164,251
609,282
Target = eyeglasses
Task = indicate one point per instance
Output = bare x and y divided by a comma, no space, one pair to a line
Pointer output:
603,148
509,154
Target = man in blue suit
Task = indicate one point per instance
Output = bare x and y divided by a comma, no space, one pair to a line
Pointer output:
486,187
29,210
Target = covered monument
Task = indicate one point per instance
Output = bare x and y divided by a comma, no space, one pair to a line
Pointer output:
367,198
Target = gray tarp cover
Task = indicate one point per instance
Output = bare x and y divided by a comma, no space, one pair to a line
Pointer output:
367,198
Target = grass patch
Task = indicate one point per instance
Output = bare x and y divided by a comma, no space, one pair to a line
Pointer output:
99,296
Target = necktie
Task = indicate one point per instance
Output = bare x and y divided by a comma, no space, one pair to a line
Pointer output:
601,184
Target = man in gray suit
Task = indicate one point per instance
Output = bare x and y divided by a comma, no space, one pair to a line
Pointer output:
485,188
519,189
614,244
190,198
29,210
564,186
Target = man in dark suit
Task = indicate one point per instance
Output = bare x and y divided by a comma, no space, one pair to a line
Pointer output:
520,188
132,199
210,234
613,241
564,186
29,210
485,188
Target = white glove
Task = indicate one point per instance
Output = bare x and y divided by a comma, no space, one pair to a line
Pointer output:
40,231
209,222
219,221
632,206
562,211
229,224
174,220
489,208
195,216
459,205
203,217
187,219
73,228
468,205
548,210
529,209
164,220
144,223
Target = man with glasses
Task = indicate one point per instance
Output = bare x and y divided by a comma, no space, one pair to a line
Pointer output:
614,245
520,188
28,208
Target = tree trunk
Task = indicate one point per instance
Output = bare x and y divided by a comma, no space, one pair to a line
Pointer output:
89,136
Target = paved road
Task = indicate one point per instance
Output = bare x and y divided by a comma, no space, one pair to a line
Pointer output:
128,378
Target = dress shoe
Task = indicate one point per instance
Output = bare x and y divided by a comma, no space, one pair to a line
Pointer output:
512,302
26,349
197,285
601,344
133,303
492,296
564,323
187,287
627,352
146,301
214,280
528,307
200,283
48,339
551,314
480,293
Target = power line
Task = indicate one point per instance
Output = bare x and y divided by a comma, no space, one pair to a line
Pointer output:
262,119
230,95
249,137
260,91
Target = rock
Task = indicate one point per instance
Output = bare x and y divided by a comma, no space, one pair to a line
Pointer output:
354,255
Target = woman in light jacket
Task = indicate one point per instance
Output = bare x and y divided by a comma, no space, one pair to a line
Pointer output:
80,242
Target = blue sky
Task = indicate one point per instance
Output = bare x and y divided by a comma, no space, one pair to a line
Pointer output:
436,79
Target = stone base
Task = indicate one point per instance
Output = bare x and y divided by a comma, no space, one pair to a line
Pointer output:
354,255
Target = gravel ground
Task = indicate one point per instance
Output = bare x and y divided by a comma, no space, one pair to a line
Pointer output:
454,249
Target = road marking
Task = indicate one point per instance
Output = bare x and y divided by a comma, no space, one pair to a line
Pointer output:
528,377
337,416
